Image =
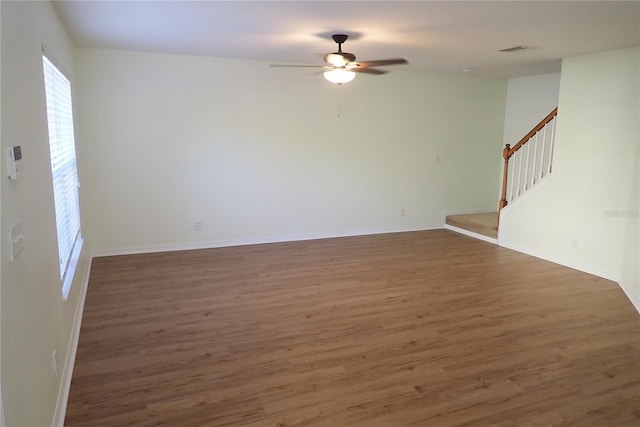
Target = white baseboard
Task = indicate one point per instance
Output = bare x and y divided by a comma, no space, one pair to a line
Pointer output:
576,266
636,304
564,262
72,347
471,234
3,423
258,240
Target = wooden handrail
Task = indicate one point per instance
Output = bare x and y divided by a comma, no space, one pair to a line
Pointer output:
533,131
508,151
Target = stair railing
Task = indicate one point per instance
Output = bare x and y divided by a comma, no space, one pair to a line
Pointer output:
530,164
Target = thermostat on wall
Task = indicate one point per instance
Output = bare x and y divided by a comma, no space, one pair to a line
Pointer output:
14,154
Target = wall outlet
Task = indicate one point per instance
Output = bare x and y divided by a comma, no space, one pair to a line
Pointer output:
402,211
54,361
575,245
197,226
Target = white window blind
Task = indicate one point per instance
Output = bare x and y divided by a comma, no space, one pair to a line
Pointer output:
63,166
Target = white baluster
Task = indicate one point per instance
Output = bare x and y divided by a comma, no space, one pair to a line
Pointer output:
526,166
518,188
553,137
544,140
533,163
512,179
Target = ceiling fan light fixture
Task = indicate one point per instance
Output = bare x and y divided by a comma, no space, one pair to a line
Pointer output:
339,76
341,67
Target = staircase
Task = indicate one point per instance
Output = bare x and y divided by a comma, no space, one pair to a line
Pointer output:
485,223
531,160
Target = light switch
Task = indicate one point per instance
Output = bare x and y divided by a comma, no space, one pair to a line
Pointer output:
16,240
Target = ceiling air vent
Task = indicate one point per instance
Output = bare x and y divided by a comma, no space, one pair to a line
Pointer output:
514,48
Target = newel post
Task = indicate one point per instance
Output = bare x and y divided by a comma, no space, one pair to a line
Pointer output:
505,175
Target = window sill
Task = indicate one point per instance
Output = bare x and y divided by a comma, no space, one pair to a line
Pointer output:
71,271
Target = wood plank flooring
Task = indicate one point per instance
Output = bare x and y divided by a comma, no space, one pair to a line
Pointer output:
410,329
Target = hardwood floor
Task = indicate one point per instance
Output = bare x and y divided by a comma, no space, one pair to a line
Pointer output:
409,329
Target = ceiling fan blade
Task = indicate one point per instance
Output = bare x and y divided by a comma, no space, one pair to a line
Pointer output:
368,71
295,66
378,62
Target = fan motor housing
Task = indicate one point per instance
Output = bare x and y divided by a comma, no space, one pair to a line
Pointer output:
339,38
330,58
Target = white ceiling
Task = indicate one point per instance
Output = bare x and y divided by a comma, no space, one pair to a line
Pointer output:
437,36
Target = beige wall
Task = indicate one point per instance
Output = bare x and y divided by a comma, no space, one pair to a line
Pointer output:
529,100
586,216
264,154
35,319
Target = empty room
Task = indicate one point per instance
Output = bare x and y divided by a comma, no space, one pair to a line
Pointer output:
320,213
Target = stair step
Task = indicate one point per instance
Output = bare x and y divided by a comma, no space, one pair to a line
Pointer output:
482,223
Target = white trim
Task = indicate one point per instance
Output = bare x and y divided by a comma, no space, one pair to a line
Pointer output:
576,266
566,263
257,240
3,423
471,234
71,269
529,193
72,347
635,304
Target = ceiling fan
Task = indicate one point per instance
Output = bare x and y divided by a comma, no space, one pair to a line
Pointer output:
341,67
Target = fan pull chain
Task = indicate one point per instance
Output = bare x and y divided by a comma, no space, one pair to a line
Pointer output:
339,100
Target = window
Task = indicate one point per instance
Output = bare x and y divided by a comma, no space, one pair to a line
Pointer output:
63,170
